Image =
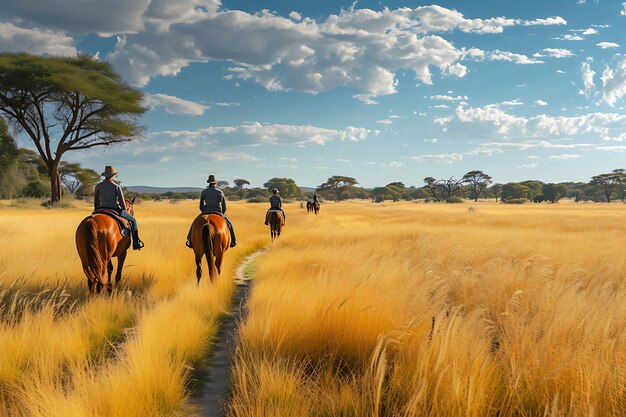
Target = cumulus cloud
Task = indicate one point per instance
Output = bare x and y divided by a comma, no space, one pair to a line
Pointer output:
497,123
173,105
614,81
554,53
588,75
35,40
357,48
569,37
255,134
606,45
541,103
623,11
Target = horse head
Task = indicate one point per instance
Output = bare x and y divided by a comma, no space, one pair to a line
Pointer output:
129,205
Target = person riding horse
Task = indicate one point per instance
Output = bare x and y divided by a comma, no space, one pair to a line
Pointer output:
315,198
212,200
276,203
109,195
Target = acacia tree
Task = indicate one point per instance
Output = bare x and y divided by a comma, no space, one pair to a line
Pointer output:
477,181
621,180
608,182
65,104
338,185
431,183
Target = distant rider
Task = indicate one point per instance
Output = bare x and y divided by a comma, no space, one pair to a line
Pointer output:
212,200
276,203
315,198
109,195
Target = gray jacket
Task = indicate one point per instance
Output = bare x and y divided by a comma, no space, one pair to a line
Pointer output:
212,199
109,195
276,201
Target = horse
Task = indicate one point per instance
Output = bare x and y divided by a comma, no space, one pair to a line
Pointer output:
276,221
315,206
309,206
98,240
210,237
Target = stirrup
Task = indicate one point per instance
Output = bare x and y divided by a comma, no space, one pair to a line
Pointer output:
188,244
233,244
138,245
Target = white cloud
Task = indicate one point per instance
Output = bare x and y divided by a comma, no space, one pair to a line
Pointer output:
565,157
358,48
431,140
498,55
444,158
173,105
227,104
541,103
569,37
528,166
384,121
606,45
447,97
509,103
439,106
295,15
614,81
232,156
497,123
34,40
560,72
623,11
255,134
588,75
554,53
589,31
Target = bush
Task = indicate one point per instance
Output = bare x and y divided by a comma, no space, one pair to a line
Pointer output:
454,200
36,189
379,199
515,201
59,205
258,199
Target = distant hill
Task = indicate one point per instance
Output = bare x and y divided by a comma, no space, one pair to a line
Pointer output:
308,189
146,189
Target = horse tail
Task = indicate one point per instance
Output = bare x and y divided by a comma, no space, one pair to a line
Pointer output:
95,261
207,244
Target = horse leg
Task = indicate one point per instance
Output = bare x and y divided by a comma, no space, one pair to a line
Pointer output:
109,273
218,262
198,267
120,266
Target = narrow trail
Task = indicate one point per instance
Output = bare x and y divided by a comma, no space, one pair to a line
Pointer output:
213,380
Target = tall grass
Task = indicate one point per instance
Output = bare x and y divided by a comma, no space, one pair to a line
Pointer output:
432,310
64,354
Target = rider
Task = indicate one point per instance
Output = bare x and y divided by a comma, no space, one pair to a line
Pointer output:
315,198
212,200
109,195
276,203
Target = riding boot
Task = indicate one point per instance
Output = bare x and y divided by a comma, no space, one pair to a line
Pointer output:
233,239
137,243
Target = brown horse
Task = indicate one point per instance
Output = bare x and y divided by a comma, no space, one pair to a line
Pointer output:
98,240
276,221
309,207
316,206
210,237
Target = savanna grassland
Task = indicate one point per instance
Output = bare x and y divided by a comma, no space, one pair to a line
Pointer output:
132,354
406,309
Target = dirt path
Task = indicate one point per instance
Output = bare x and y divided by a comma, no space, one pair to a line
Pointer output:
211,385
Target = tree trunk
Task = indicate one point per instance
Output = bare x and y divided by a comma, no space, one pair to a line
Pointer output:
55,183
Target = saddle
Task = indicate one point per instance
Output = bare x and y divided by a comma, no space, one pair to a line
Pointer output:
281,217
122,223
219,213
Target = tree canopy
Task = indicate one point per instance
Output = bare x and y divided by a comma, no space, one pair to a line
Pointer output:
337,185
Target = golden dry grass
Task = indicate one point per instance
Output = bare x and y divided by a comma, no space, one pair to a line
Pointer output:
63,354
435,310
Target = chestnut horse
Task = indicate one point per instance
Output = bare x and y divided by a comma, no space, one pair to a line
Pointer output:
98,240
210,238
277,221
315,206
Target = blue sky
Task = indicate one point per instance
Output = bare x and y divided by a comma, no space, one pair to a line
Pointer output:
381,91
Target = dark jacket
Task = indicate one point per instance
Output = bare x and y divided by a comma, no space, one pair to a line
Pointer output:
109,195
276,201
212,199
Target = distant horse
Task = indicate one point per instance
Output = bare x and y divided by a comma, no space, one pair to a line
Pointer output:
98,240
316,207
210,238
276,221
309,206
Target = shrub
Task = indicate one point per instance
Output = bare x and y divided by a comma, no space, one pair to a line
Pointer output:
60,205
379,199
515,201
36,189
258,199
454,200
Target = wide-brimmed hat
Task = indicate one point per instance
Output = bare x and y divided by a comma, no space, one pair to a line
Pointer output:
109,171
275,191
212,179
